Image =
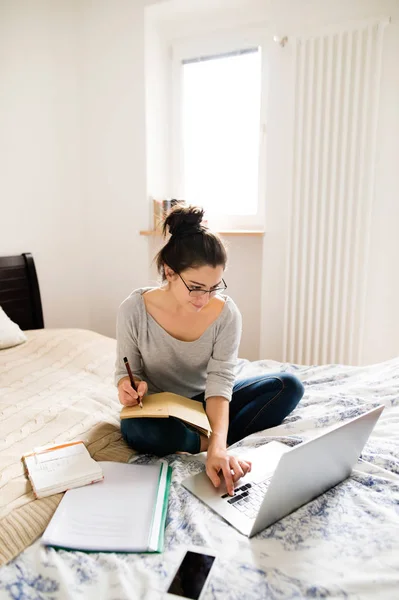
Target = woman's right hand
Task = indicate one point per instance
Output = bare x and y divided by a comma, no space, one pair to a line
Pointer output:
127,395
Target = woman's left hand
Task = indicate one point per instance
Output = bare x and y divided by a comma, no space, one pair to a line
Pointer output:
232,468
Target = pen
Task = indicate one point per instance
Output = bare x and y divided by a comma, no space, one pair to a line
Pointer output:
125,360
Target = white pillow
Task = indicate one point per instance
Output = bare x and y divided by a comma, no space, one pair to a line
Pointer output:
10,333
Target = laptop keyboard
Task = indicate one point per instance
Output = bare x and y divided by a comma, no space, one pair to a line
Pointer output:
248,498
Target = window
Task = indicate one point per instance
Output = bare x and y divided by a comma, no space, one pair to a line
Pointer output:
217,126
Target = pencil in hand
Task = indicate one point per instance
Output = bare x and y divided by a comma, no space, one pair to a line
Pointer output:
129,371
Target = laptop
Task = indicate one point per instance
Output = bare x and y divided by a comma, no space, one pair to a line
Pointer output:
283,478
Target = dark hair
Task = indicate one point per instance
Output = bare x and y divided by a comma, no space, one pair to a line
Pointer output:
191,244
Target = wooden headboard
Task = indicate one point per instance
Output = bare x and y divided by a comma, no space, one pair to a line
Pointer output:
19,291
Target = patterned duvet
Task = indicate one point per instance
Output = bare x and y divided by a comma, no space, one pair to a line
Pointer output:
344,544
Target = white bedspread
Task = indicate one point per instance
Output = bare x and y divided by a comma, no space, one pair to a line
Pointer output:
344,544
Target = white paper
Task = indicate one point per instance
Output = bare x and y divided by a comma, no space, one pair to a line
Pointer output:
115,514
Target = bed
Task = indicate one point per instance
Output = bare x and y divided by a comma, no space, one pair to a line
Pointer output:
344,544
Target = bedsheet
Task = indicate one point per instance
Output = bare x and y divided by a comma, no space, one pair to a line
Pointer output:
54,388
344,544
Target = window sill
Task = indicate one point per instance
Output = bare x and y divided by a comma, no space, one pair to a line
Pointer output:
226,232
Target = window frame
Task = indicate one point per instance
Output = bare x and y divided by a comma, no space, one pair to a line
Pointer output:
207,45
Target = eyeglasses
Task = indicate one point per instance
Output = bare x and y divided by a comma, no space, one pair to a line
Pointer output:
197,291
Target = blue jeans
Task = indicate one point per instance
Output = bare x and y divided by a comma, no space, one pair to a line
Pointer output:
257,403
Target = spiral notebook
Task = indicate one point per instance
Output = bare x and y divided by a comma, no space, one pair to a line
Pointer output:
125,512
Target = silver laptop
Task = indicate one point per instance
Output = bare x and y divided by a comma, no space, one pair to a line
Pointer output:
283,478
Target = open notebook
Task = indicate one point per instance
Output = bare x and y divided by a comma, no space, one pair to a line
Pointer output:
166,404
54,469
125,512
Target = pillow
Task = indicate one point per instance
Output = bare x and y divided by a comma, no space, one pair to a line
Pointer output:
10,333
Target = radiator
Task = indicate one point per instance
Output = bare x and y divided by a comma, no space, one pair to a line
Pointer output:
337,81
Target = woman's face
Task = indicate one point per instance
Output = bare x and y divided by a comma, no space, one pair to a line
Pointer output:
201,278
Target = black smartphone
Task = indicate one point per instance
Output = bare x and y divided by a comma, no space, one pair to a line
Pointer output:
192,575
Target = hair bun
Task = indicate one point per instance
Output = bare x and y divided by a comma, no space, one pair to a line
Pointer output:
184,220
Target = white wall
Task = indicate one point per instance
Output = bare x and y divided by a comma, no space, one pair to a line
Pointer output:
381,328
157,110
41,205
72,149
113,127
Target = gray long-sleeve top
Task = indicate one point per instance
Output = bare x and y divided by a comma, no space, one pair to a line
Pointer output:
170,365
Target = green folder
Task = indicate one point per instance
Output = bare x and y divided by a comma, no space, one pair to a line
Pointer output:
157,533
126,512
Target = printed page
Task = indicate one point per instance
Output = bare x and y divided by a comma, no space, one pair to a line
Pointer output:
114,514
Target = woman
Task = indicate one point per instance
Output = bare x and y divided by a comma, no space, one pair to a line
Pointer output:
183,337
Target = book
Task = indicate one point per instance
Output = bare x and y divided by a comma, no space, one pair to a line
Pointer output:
54,469
125,512
166,404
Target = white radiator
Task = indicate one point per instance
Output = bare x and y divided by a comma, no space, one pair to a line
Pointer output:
337,80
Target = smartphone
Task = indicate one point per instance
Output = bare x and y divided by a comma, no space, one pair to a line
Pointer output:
192,574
